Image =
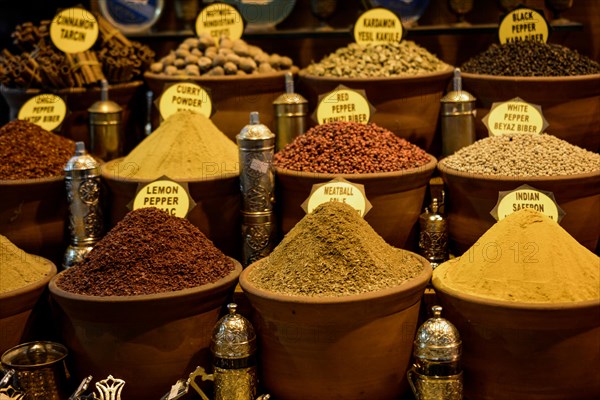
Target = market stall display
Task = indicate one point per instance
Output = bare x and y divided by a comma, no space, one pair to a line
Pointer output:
186,147
563,82
393,171
333,285
403,81
33,204
477,173
155,277
531,305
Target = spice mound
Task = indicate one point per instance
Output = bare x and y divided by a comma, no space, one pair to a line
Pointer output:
350,148
523,155
28,151
333,252
530,58
185,146
404,58
526,257
217,57
18,268
147,252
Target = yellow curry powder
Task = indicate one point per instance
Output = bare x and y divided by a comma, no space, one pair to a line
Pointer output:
18,268
186,146
526,257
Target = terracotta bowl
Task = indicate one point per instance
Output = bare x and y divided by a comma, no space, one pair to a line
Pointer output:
216,214
471,197
16,311
570,104
233,97
526,351
33,213
396,197
150,341
353,347
76,125
408,106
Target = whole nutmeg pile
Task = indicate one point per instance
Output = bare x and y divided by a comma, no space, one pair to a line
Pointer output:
206,56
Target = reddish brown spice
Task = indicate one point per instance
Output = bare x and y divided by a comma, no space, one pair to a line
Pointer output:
28,151
148,252
350,148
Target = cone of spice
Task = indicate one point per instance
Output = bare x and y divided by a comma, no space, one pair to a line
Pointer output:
148,252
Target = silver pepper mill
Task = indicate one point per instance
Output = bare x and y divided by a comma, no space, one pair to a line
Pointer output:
106,133
433,236
291,113
436,373
256,145
82,179
233,346
458,117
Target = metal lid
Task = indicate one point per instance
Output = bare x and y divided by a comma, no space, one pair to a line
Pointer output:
255,130
457,94
290,97
105,106
233,336
437,339
82,160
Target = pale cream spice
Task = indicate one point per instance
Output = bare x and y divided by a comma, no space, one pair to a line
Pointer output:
18,268
186,146
528,258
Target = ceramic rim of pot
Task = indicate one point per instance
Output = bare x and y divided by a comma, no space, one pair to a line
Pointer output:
222,282
525,79
30,181
106,174
215,78
426,168
74,90
453,172
408,286
442,74
33,285
511,305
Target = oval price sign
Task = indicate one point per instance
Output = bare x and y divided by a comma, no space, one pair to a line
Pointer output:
378,25
74,30
45,110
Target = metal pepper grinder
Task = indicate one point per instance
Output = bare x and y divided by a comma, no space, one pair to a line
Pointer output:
82,179
436,372
291,112
256,145
458,118
433,238
233,346
106,133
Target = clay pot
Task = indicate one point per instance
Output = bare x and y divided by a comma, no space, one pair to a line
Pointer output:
76,124
569,103
526,351
150,341
16,311
353,347
233,97
33,213
408,106
471,197
396,197
216,213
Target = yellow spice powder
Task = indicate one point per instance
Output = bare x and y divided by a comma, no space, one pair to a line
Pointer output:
18,268
185,146
526,257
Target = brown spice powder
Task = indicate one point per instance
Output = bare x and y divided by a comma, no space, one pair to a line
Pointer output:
28,151
148,252
334,252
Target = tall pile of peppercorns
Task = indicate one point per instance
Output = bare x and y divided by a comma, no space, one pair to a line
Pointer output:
530,58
